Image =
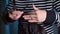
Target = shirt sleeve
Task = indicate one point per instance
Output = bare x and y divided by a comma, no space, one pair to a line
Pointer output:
57,5
5,18
57,9
51,15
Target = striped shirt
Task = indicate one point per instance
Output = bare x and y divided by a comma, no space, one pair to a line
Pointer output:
44,5
27,5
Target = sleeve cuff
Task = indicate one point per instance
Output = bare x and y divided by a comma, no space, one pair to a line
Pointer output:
8,19
51,17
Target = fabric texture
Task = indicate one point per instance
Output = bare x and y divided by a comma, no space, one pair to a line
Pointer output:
50,6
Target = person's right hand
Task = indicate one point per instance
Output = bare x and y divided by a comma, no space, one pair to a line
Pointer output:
15,15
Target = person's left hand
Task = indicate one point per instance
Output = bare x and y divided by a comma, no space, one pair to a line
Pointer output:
36,15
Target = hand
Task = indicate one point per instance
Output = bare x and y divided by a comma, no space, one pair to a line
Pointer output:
14,15
36,15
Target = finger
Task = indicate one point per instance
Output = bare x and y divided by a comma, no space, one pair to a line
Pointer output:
34,7
32,13
33,16
26,17
18,12
22,12
32,21
17,17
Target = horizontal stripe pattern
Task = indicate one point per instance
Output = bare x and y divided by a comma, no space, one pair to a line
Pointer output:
46,5
57,5
25,5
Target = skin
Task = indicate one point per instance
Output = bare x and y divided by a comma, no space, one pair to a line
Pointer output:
36,15
15,15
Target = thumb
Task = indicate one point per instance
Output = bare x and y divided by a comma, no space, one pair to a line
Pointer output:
34,7
22,12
